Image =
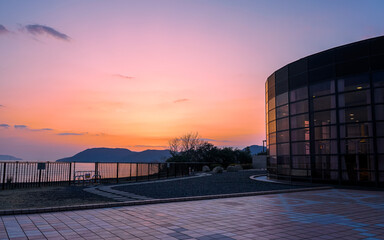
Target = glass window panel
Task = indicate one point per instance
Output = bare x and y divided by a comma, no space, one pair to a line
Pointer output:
272,161
283,149
326,162
352,67
300,148
322,88
323,103
282,124
300,121
381,162
298,67
282,136
360,114
326,147
300,134
354,98
380,144
324,118
272,149
356,130
299,107
298,81
325,132
356,146
299,94
353,83
347,53
272,126
379,112
321,59
377,62
379,95
272,115
320,74
272,138
282,111
380,129
303,162
271,104
282,99
378,79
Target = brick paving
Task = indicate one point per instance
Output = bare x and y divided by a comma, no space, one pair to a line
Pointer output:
325,214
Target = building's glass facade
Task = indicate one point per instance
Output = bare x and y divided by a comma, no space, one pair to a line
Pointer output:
325,116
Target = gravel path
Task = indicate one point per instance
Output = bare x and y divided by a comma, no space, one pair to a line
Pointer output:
225,183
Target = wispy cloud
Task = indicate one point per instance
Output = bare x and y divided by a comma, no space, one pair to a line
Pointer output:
3,30
149,146
181,100
3,125
37,29
42,129
123,76
20,126
71,134
213,140
1,106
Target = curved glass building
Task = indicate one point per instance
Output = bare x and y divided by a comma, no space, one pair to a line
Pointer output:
325,116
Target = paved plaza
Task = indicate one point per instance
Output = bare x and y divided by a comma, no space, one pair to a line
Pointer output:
322,214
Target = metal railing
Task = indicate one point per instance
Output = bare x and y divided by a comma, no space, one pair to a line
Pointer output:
38,174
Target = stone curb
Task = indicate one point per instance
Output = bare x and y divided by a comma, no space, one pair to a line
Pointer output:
153,201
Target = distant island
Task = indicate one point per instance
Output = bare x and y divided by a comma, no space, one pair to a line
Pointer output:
9,157
118,155
125,155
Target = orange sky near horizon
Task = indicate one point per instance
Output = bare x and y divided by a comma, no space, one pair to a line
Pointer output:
134,74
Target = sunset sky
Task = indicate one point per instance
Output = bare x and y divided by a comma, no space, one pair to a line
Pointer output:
134,74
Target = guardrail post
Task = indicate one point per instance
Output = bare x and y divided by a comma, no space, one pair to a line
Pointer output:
117,172
137,171
148,170
4,168
39,177
69,175
158,171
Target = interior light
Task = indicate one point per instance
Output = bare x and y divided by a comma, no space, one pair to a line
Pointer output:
351,114
359,87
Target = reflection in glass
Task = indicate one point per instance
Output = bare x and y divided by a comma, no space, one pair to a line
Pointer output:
323,88
357,146
299,107
322,103
324,118
282,136
379,95
272,126
353,83
326,147
282,111
303,162
282,124
360,114
272,149
356,130
380,144
325,132
326,162
300,134
356,167
354,98
379,112
378,79
272,115
299,94
271,104
380,129
283,149
282,99
272,138
300,148
300,121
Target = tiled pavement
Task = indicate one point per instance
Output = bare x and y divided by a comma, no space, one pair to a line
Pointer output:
325,214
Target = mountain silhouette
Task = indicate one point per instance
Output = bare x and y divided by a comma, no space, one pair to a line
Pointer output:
9,157
255,149
118,155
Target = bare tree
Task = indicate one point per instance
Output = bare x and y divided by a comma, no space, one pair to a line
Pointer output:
185,144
